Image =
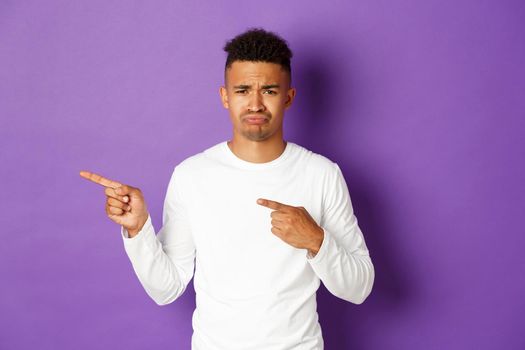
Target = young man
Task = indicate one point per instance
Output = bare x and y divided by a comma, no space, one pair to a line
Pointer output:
262,220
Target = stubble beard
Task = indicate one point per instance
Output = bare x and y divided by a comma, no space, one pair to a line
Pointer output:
259,134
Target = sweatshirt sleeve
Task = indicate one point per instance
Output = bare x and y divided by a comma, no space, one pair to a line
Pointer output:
164,263
342,263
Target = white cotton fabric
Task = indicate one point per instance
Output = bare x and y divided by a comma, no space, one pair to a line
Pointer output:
253,290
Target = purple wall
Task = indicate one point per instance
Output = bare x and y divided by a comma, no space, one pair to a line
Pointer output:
421,103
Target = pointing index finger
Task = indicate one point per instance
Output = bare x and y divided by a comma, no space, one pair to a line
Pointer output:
271,204
101,180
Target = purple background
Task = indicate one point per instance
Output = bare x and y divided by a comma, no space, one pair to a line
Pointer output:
421,103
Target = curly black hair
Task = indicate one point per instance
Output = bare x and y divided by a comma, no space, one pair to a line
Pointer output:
259,45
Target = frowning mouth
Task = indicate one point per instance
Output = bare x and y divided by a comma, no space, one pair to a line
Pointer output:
255,119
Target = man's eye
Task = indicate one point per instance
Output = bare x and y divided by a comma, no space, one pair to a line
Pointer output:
240,91
270,92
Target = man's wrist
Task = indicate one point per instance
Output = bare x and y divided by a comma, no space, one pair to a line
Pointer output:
133,232
315,249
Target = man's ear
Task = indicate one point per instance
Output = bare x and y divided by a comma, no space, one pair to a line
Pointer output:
224,97
290,97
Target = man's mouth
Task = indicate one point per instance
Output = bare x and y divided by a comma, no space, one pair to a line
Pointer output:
257,120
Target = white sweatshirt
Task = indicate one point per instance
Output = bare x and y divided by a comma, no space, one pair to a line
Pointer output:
253,290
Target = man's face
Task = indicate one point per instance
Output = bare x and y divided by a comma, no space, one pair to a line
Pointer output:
257,94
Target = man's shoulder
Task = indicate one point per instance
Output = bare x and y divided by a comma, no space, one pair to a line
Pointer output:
315,160
200,160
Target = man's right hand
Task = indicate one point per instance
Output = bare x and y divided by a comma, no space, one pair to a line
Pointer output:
125,205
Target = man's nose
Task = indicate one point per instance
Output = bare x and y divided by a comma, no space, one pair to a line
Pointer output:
255,103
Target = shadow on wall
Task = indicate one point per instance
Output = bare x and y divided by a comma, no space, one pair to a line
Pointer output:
324,76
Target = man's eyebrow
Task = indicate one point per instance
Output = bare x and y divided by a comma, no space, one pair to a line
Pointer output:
269,86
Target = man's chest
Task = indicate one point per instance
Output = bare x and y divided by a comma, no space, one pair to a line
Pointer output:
223,209
232,233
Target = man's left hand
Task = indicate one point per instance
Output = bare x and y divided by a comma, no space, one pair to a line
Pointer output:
294,225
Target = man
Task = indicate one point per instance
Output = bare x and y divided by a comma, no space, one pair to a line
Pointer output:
262,220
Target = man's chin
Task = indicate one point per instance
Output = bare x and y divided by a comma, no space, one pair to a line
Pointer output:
256,136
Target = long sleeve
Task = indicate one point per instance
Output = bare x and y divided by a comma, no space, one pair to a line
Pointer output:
164,263
342,263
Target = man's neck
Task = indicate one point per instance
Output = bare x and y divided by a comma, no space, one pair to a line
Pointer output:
257,151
